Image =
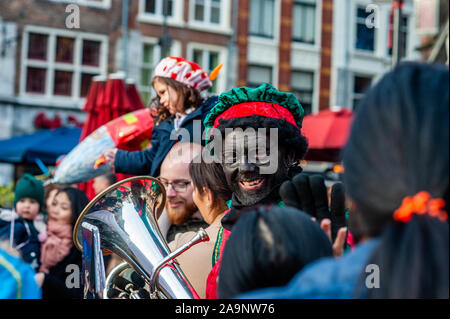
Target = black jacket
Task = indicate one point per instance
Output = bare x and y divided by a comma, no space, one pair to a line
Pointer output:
60,281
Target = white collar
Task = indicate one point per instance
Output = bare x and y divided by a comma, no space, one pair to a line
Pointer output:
186,112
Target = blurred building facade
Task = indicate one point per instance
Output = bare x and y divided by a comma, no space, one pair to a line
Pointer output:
433,29
50,61
328,52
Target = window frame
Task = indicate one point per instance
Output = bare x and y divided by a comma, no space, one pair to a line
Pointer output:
51,66
355,95
207,10
313,90
174,51
223,27
306,4
272,73
260,23
159,8
157,18
357,21
221,80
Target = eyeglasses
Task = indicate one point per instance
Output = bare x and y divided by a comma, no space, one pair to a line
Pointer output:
178,186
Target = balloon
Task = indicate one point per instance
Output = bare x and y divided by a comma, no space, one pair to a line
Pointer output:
130,132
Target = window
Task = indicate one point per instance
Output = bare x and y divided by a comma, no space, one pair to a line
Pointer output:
207,11
64,49
156,7
304,21
150,57
262,18
404,31
36,80
86,80
365,37
258,75
302,84
63,83
91,53
61,63
37,46
208,60
360,85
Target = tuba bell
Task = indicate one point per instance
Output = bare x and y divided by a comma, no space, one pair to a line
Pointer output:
123,220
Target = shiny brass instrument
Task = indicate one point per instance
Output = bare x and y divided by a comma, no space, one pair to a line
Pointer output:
123,220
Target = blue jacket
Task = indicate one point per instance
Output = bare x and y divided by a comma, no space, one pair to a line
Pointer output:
17,279
148,162
327,278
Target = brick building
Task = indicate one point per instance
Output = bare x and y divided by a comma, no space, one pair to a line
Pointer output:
328,52
48,61
324,51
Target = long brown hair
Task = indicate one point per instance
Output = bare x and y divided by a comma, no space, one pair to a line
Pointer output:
191,97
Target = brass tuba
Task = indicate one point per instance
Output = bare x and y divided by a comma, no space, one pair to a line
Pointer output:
123,219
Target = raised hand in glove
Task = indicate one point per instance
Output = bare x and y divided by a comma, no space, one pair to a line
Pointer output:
309,194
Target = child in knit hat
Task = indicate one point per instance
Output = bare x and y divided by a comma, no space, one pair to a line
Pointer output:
20,227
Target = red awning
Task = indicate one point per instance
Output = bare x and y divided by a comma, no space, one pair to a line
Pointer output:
327,129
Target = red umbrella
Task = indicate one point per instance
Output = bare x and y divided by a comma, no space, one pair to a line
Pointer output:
105,102
92,105
133,95
116,98
327,129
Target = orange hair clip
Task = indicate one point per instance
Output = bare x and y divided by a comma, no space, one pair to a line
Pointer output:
421,203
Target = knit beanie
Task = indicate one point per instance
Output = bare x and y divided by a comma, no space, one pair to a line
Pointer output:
29,187
186,72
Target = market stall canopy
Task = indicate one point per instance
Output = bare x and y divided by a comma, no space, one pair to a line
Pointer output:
46,145
327,133
328,129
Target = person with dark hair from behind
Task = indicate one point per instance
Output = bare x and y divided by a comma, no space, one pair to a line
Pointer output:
210,195
396,176
58,250
267,247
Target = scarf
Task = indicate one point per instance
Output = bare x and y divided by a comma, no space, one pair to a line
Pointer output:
56,247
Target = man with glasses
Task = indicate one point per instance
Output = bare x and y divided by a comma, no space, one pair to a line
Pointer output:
180,214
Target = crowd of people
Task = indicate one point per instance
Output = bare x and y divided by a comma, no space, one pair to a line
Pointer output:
275,231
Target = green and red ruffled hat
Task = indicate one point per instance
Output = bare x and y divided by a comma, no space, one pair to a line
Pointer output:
264,100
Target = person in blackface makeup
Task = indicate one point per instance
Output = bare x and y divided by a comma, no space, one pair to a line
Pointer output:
256,135
261,143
